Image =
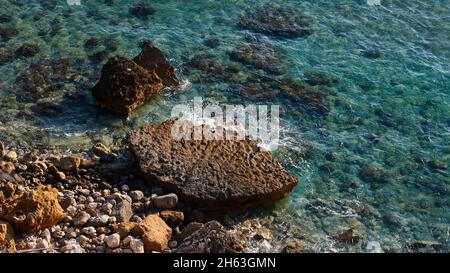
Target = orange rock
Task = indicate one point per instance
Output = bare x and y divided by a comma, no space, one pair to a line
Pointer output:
124,228
7,242
33,210
154,232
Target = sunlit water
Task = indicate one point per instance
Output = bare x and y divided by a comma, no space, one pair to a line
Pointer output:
369,165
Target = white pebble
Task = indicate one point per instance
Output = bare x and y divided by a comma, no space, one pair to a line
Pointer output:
137,246
113,241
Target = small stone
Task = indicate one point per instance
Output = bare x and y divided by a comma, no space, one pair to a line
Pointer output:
71,210
2,149
125,187
81,218
69,163
67,202
172,218
168,201
7,167
123,211
107,208
41,243
136,218
98,221
82,240
11,156
127,240
173,244
89,231
124,228
60,176
31,245
100,149
113,240
45,234
136,196
72,246
137,246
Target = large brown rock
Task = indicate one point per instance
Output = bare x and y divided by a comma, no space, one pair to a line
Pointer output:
33,210
152,59
124,85
225,176
154,232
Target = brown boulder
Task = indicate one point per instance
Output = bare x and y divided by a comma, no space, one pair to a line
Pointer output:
154,232
124,85
152,59
225,176
33,210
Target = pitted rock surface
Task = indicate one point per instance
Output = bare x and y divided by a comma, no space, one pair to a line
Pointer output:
227,176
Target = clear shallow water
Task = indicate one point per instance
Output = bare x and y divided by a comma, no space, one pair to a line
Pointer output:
370,163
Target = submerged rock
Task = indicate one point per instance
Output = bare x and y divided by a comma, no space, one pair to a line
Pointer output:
27,50
152,59
311,99
371,53
33,210
141,9
276,21
5,57
124,85
7,32
261,55
43,79
211,237
318,78
211,41
225,176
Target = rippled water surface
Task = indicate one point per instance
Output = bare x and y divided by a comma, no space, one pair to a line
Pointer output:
376,164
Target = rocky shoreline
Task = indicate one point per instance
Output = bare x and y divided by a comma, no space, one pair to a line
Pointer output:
96,201
53,202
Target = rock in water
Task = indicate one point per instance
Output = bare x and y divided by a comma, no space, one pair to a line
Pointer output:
124,85
33,210
225,176
152,59
154,232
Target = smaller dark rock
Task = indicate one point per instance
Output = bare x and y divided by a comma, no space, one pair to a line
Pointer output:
211,41
5,57
92,43
5,18
100,56
7,32
371,53
27,50
141,10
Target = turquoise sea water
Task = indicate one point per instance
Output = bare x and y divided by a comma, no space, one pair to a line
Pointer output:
377,163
